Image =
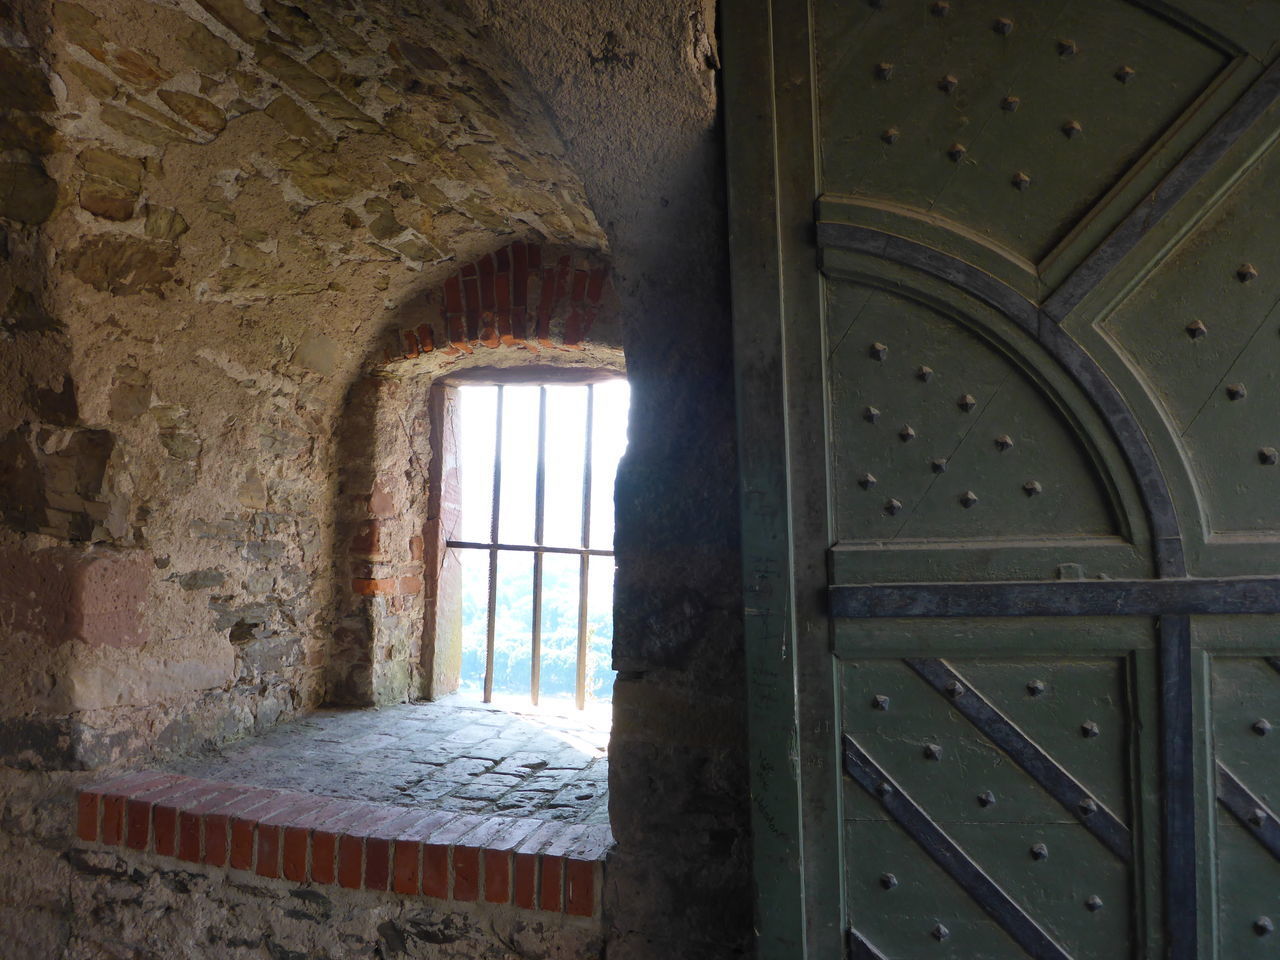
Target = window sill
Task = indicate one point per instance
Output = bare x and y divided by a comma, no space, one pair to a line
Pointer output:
304,838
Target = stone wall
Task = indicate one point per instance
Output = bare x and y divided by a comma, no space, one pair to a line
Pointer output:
215,218
632,88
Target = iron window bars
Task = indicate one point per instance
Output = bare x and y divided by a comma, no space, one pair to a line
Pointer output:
539,549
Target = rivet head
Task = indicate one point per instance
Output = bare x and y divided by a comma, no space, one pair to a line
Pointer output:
986,799
932,751
1010,104
893,507
1003,26
1067,48
948,83
1039,852
924,374
1258,816
1036,687
1267,456
871,414
940,8
938,465
1088,806
1196,329
906,433
968,499
884,71
1093,904
1263,926
867,481
1236,391
939,933
1125,74
956,152
1032,488
878,351
890,136
1089,730
967,402
1021,180
880,702
1072,129
884,788
888,881
1262,727
1246,272
955,689
1004,442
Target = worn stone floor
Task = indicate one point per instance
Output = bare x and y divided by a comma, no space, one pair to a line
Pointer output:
452,754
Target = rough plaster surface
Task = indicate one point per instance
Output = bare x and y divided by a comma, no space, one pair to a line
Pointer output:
209,215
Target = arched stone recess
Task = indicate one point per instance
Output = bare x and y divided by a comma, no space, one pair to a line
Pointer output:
527,312
211,212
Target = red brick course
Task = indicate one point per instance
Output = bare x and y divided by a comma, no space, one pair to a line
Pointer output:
537,865
519,295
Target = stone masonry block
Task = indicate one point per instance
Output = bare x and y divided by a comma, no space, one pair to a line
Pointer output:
65,594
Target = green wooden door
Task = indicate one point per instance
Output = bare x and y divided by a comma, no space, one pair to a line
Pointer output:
1007,313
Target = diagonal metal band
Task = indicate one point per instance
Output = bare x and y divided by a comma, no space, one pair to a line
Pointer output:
1253,814
1275,663
944,851
860,948
1037,764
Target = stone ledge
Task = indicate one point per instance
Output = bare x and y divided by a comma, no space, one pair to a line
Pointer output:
531,864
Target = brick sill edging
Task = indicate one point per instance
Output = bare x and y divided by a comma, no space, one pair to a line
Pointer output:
533,864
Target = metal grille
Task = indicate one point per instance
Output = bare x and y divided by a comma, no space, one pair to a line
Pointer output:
539,548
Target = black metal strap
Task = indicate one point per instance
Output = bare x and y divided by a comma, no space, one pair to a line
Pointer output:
1059,598
944,851
1041,767
860,948
1254,815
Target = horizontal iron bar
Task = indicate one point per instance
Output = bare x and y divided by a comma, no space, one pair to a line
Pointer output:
1059,598
947,854
1037,764
527,548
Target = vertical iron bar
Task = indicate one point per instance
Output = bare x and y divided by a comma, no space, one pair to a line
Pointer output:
1177,723
580,689
493,552
539,517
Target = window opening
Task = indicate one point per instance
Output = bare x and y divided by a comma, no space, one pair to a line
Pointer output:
537,467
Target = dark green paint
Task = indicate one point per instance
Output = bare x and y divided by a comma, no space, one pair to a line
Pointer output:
807,115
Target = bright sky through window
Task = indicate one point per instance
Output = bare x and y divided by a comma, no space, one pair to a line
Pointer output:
564,412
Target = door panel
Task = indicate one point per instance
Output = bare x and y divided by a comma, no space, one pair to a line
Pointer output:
1005,293
1020,786
1202,330
936,435
902,88
1245,749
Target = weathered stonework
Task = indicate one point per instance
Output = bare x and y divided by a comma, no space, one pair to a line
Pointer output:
218,222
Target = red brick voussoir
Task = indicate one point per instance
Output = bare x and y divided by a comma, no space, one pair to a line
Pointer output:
303,838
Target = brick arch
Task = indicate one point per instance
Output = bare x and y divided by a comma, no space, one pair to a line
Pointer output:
526,294
524,305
